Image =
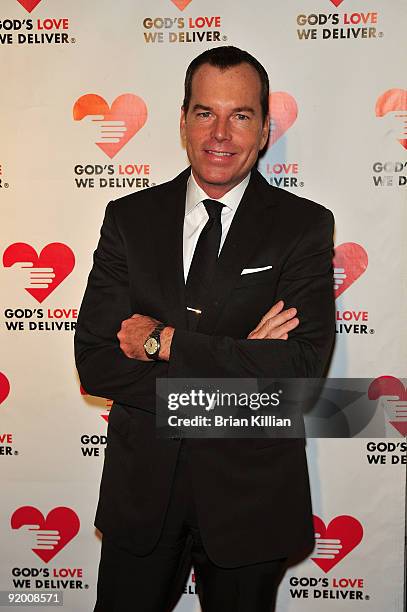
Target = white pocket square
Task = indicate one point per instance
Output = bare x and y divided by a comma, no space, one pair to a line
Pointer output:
251,270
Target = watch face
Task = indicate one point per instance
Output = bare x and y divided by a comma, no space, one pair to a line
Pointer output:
151,346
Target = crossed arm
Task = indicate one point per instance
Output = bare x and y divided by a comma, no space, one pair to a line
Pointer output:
274,325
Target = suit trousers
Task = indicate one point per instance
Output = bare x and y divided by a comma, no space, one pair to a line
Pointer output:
155,582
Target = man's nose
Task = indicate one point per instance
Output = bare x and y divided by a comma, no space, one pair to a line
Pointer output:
221,129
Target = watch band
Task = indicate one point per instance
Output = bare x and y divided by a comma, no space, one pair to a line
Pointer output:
157,330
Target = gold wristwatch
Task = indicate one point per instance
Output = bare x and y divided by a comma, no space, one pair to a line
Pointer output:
152,344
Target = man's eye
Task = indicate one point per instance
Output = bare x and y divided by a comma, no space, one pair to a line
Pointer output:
204,114
241,117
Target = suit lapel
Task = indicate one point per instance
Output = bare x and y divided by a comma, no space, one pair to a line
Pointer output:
250,224
169,251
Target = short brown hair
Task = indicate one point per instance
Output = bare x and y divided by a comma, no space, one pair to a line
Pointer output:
223,58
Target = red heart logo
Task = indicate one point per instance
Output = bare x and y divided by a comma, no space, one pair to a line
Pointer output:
393,100
109,402
352,258
401,427
29,5
345,528
336,2
61,519
181,4
4,387
55,255
389,385
128,108
283,112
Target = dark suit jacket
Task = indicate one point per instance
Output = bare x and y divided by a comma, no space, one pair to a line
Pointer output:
252,496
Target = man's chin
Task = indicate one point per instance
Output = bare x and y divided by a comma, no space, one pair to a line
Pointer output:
217,179
217,187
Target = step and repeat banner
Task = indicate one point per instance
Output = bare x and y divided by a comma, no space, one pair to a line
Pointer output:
338,103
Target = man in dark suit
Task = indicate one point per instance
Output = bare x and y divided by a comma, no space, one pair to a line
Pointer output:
161,303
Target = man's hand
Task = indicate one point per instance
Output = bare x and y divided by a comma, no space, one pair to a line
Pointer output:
275,324
135,331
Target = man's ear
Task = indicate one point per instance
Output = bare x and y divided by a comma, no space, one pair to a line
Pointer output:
265,132
182,123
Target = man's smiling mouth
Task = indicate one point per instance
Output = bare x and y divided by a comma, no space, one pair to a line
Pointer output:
219,153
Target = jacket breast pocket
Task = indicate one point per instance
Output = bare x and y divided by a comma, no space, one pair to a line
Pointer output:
256,278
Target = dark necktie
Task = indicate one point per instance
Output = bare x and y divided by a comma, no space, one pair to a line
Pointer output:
203,263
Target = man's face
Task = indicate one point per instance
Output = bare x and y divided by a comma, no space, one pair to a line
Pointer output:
223,128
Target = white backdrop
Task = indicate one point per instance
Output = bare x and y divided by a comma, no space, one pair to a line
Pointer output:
338,104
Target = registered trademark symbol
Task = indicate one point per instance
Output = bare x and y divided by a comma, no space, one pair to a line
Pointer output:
86,586
224,37
371,331
73,40
6,185
301,184
381,34
280,391
367,596
16,452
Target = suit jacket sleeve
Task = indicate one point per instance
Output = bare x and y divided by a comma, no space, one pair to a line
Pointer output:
103,368
305,282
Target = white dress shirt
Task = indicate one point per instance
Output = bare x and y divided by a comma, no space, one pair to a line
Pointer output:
196,215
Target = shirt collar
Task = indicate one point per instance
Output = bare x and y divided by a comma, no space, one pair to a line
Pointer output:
231,199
